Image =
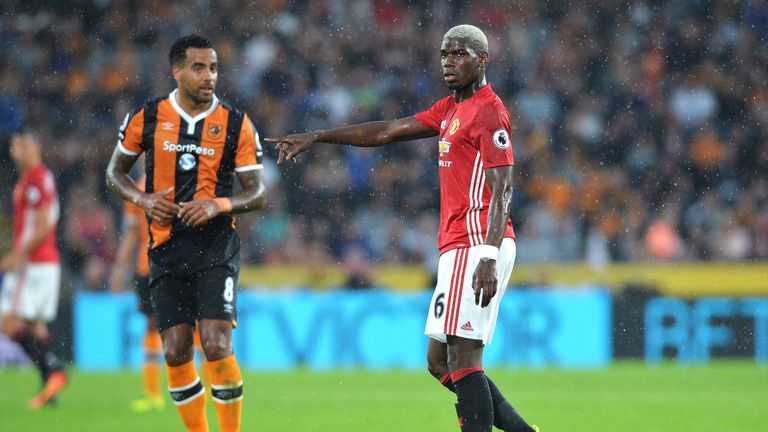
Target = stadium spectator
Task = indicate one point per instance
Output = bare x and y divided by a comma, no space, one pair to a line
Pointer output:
666,100
89,235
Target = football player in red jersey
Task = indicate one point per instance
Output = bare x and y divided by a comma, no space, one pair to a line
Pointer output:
30,294
476,239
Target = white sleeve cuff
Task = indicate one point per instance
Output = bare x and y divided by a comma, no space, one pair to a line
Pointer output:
249,168
485,251
125,150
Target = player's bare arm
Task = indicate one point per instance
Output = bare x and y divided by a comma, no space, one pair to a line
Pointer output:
252,197
156,205
43,227
371,134
484,280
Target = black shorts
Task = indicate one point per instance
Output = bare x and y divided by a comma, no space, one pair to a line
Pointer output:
209,293
142,289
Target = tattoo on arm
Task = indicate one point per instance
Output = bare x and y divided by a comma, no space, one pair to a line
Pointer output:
500,182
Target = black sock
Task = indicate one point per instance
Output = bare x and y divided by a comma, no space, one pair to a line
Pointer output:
505,417
475,406
41,355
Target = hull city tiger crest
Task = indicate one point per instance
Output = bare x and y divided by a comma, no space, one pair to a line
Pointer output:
215,131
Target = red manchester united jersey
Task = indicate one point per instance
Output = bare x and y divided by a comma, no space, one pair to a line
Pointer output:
34,190
473,135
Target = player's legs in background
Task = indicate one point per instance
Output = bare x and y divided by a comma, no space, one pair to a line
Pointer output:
53,366
34,339
224,372
30,298
151,371
184,384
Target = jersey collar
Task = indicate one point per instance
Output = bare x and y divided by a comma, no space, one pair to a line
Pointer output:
191,121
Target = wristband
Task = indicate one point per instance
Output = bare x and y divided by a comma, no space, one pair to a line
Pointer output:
485,251
224,204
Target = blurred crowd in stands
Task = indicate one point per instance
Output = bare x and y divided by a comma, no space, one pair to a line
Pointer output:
640,127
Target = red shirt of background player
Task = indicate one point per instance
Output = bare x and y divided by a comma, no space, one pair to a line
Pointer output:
36,188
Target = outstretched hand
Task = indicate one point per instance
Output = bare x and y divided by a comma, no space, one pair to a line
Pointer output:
159,207
292,145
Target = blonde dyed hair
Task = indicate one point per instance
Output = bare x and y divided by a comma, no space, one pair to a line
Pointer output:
476,40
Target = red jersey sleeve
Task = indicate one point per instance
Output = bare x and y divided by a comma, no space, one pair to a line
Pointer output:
129,138
434,116
249,154
492,135
41,190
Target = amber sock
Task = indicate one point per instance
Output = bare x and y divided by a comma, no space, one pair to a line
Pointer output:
227,392
201,361
150,373
189,396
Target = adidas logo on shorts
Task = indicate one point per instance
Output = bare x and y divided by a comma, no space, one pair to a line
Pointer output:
467,327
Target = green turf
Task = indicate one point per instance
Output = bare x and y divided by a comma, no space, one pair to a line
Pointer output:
627,397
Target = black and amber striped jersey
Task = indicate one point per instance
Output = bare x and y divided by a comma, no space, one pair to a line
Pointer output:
196,156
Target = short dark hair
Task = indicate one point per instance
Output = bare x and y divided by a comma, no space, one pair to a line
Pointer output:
178,53
26,130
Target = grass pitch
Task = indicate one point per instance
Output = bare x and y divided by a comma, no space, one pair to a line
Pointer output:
627,397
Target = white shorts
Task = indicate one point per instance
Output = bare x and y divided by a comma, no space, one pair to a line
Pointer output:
32,292
452,310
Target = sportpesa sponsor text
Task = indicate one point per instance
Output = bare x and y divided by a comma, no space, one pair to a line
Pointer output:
187,148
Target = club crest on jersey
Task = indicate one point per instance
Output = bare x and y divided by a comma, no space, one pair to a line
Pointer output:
501,139
444,146
187,162
215,131
454,126
32,195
